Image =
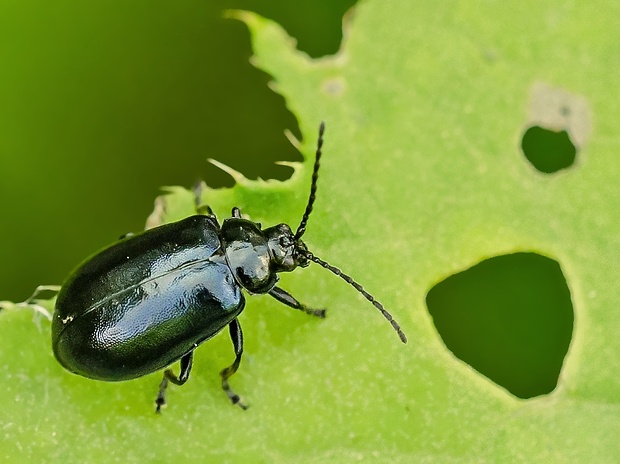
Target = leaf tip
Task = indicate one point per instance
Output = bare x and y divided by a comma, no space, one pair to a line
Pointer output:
236,175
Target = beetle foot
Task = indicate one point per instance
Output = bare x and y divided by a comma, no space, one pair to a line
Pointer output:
160,401
232,396
319,313
236,400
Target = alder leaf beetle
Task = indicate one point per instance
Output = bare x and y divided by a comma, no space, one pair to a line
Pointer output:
152,298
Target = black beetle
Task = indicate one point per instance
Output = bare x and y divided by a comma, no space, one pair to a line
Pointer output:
150,299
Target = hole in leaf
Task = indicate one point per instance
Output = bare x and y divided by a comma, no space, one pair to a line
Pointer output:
548,150
510,317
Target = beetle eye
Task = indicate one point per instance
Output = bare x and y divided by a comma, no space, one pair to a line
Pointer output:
285,242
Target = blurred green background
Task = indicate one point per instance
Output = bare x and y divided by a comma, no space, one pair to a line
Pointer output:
103,102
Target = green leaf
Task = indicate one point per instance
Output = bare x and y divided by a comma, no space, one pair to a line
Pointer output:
423,177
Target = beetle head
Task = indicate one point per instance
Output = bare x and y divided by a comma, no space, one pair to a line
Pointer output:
287,252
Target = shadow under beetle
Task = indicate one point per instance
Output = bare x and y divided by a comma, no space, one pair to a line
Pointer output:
150,299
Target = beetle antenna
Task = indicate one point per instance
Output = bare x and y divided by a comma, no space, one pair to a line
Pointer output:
359,288
315,175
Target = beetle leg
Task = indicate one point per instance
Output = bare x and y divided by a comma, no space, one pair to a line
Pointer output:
285,297
186,367
236,335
